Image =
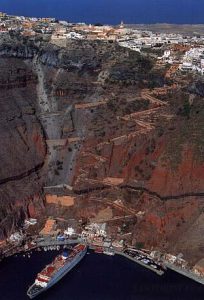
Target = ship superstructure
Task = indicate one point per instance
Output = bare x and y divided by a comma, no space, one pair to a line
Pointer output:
53,272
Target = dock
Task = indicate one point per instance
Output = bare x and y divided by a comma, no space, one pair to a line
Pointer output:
157,271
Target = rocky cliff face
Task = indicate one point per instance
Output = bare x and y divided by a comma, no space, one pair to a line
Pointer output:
106,122
23,147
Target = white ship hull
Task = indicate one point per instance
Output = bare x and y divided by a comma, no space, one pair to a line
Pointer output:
35,290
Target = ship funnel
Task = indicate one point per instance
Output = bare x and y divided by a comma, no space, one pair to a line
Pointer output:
65,254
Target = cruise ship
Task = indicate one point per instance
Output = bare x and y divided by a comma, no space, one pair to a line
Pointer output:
53,272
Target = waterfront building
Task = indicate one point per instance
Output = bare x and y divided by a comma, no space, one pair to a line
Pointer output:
69,231
49,228
16,237
118,246
198,269
170,258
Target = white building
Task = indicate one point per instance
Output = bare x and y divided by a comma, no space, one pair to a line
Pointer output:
69,231
30,222
95,229
170,258
16,237
74,35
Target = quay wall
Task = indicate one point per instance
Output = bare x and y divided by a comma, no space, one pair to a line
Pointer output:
185,273
140,263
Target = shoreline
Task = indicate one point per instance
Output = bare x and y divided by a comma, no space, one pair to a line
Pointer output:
165,265
185,273
158,272
128,24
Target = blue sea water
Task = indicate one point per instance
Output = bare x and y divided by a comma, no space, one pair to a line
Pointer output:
96,277
111,11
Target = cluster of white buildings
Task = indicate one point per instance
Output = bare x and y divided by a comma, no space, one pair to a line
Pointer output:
94,230
193,60
29,222
96,235
60,32
16,237
69,232
177,260
136,39
25,25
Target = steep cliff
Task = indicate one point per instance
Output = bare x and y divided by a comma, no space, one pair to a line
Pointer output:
23,147
106,123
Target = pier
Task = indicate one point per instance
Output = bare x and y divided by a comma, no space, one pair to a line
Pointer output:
157,271
133,255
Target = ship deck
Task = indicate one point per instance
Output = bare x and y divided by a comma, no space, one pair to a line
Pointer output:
59,262
34,290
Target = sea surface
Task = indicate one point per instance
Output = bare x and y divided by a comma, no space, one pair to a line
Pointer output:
111,11
96,277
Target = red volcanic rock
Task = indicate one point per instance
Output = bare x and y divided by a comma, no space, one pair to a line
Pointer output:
165,222
86,127
39,143
31,210
23,147
187,178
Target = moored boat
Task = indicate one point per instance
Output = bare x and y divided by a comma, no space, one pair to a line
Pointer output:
53,272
